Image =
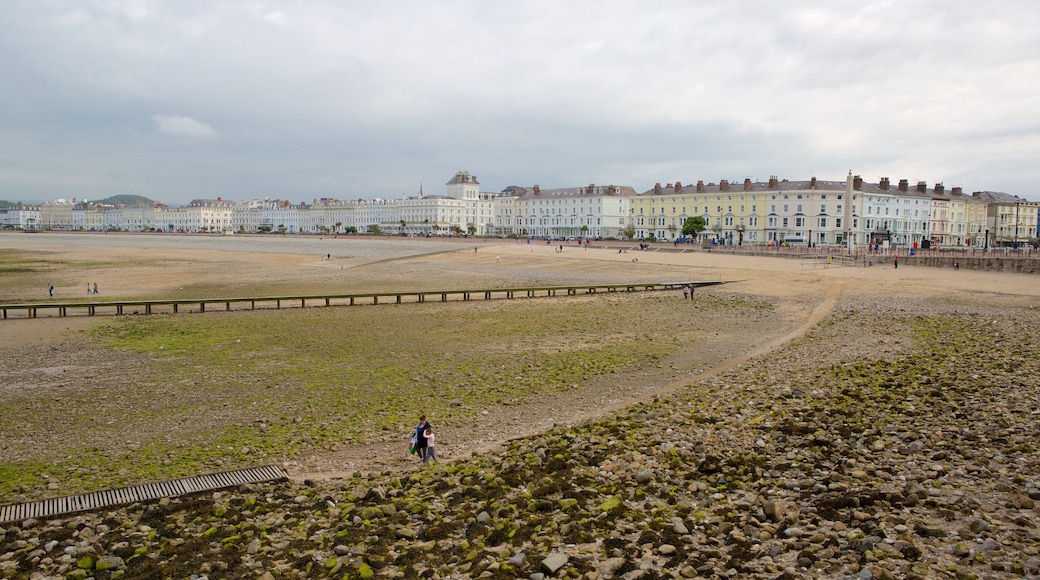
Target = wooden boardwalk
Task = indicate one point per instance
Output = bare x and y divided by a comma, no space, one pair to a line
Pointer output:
186,305
138,493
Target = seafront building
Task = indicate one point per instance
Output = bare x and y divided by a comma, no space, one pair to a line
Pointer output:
777,211
20,217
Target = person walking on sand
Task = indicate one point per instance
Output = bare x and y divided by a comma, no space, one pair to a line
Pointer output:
685,291
431,446
895,261
50,289
88,287
95,287
420,438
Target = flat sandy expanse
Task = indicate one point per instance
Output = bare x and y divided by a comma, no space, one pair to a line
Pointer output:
129,266
153,266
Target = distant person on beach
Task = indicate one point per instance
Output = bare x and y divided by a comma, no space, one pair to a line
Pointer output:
431,446
88,287
95,287
895,261
50,290
685,291
420,438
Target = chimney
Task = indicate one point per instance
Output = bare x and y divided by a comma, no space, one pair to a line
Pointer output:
922,187
657,189
747,184
773,182
939,189
723,185
884,184
904,185
700,186
812,183
857,183
957,191
668,186
678,187
537,190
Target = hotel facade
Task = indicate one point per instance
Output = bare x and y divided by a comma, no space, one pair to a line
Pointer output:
818,212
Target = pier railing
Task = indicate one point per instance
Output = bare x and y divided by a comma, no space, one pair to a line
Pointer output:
185,305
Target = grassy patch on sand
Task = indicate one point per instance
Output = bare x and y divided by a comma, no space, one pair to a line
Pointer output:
193,393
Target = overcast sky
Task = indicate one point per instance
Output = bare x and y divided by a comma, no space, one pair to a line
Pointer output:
185,99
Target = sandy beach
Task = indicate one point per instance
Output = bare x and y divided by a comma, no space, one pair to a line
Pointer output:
872,421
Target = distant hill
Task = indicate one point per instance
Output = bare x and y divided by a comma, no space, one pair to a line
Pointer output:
5,203
124,200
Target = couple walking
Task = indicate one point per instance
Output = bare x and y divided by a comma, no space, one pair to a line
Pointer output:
423,441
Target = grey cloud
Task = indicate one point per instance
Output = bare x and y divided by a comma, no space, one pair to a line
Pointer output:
333,99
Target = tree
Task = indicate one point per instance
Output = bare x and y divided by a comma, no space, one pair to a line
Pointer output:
472,230
629,232
584,230
338,226
693,226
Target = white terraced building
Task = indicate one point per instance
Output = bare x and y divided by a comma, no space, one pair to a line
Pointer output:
849,212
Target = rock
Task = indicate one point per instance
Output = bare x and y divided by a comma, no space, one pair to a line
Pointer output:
254,546
554,562
518,561
644,477
110,563
609,567
483,517
772,511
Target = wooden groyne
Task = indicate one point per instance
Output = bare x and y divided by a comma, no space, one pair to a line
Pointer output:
186,305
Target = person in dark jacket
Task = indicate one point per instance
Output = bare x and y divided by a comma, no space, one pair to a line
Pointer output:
420,438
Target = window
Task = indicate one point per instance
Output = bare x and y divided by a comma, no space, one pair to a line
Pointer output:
822,222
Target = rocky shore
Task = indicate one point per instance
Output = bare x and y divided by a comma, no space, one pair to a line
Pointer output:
898,439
